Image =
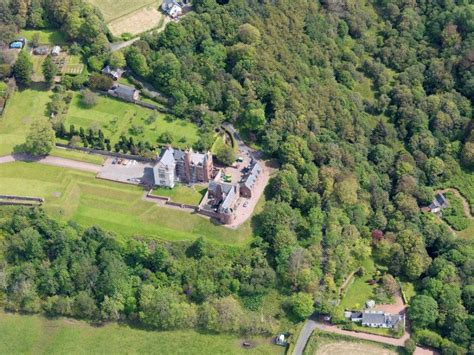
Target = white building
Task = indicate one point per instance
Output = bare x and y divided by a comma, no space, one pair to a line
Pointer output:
172,8
164,171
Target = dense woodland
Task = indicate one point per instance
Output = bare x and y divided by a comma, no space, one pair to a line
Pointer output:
355,167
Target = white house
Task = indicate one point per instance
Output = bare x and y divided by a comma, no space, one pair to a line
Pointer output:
172,8
164,171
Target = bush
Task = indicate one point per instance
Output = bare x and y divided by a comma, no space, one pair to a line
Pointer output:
410,346
89,98
428,338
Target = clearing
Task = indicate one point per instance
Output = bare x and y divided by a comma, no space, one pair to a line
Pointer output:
35,334
46,37
142,20
359,291
127,16
119,208
117,118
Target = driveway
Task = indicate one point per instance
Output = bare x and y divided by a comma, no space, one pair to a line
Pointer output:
54,161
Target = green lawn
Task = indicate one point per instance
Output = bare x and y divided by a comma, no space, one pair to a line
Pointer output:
377,331
359,291
78,155
25,334
116,117
50,37
21,110
76,195
183,194
408,289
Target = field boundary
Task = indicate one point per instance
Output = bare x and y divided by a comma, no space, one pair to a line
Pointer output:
131,12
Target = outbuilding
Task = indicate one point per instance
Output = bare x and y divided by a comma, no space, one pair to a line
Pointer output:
56,51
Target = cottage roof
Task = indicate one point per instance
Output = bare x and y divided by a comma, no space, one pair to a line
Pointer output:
215,185
440,199
373,317
124,91
111,71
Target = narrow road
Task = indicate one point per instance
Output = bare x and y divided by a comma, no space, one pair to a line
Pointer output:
303,337
119,45
54,161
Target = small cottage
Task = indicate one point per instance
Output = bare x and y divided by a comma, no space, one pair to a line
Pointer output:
125,92
113,73
172,8
439,202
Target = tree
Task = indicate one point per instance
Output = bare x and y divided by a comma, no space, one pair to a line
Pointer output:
165,138
89,98
84,306
249,34
50,69
23,68
423,311
301,305
410,346
41,139
100,82
390,285
117,60
225,154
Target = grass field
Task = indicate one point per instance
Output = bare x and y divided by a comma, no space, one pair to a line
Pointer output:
25,334
50,37
359,291
113,9
22,109
321,343
116,117
183,194
78,155
76,195
139,21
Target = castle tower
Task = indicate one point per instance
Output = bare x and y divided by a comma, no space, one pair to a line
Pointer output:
187,165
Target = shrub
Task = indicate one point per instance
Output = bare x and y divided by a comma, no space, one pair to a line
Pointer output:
410,346
89,98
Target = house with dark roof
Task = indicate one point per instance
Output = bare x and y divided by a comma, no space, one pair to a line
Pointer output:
125,92
376,319
249,179
113,73
439,202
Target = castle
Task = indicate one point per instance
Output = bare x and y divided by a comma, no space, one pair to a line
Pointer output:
182,166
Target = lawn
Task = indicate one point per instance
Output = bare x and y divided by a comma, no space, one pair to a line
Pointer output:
464,183
116,117
183,194
359,291
21,110
76,195
33,334
454,213
50,37
408,289
78,155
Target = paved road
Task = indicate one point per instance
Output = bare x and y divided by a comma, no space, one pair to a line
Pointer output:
304,335
55,161
119,45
